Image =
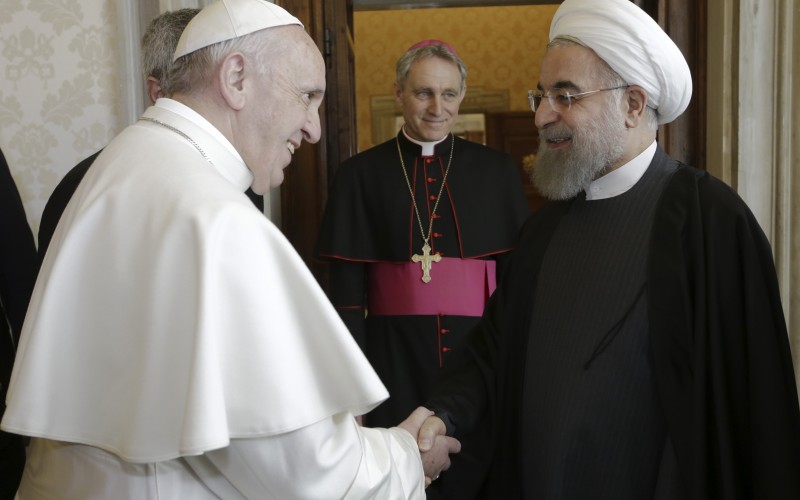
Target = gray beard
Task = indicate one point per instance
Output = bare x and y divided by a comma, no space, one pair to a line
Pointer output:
561,175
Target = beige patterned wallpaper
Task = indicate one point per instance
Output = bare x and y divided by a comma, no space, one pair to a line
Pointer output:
501,46
59,97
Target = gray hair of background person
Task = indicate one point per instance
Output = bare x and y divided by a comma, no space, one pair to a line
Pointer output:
158,45
440,51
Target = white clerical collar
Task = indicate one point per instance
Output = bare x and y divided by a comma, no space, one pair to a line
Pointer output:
198,119
622,179
427,147
234,169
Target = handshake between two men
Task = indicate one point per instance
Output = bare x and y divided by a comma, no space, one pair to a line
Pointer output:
434,446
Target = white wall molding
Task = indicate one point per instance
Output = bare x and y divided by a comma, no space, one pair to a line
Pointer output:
754,126
786,242
129,35
755,168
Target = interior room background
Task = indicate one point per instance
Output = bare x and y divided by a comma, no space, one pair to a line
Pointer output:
71,81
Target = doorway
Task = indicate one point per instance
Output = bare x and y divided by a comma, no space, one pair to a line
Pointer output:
501,46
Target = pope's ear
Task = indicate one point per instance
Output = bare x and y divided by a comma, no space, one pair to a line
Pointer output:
636,106
231,79
154,90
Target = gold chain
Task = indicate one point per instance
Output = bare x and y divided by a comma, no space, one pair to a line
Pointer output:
411,190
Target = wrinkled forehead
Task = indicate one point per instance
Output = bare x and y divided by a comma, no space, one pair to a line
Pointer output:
297,53
434,70
293,42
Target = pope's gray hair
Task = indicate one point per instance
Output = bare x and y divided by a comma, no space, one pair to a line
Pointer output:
193,72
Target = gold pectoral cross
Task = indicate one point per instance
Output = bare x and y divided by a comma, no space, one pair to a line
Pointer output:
425,260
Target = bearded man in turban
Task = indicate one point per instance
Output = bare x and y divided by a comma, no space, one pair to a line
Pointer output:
637,346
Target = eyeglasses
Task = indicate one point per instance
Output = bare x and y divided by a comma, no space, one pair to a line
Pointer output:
561,99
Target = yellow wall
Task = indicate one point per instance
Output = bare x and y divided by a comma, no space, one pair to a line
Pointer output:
501,46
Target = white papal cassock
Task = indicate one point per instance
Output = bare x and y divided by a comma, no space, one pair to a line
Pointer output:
176,345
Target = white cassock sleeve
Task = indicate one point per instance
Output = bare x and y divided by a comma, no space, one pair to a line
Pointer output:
334,458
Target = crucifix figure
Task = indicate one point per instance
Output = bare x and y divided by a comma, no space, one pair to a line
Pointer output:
426,259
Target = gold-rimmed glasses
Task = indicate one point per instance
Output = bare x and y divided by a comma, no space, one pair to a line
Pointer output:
561,99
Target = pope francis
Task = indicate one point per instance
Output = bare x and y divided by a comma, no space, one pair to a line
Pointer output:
176,346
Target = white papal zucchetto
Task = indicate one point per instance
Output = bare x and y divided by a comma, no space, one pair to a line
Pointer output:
227,19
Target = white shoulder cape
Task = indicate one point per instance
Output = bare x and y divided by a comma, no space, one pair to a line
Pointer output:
170,315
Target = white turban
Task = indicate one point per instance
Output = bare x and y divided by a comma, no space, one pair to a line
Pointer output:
634,45
227,19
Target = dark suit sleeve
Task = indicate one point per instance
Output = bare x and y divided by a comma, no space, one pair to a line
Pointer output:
58,202
257,199
17,275
17,252
484,372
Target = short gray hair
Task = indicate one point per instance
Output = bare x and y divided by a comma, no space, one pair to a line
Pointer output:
159,42
406,60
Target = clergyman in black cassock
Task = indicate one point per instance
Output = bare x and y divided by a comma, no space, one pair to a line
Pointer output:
467,200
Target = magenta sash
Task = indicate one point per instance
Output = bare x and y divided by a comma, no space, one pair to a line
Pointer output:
458,287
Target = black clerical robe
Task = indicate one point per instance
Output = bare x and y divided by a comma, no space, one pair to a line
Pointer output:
58,202
370,219
719,348
370,223
17,276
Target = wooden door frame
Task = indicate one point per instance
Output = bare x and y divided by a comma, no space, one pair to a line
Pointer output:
304,191
686,23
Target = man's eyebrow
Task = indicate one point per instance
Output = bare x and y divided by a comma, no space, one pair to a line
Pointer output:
417,90
561,84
